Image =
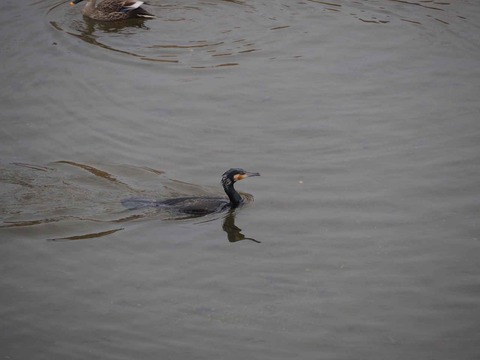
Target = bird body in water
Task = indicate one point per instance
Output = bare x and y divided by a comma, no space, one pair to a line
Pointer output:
200,205
113,10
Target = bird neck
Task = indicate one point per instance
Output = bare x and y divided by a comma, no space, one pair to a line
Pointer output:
233,195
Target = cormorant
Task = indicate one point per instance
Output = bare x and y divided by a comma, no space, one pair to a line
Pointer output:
200,205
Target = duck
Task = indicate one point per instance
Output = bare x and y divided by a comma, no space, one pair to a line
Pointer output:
114,10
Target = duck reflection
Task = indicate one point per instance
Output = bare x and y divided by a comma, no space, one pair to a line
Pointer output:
86,30
88,27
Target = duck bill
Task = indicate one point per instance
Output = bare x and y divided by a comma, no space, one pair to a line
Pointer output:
75,2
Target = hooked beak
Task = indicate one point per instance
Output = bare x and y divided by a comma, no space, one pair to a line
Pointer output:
246,175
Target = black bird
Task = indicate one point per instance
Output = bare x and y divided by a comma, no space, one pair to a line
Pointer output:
200,205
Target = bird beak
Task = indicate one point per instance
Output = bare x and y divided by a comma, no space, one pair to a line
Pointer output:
247,174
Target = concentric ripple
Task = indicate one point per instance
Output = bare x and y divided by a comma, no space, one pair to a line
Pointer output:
220,33
198,34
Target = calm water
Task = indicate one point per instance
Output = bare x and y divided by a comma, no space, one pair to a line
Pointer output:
363,241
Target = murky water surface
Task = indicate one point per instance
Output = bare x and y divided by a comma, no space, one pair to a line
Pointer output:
363,241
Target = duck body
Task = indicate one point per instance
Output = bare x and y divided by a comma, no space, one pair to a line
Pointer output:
199,205
113,10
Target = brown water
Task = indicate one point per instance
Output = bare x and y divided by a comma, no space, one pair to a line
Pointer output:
362,242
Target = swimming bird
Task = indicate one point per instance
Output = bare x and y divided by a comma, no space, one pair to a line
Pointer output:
200,205
114,10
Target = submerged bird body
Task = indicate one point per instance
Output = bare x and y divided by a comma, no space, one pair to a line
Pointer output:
195,205
113,10
199,205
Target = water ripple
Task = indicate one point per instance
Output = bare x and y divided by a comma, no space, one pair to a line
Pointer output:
213,34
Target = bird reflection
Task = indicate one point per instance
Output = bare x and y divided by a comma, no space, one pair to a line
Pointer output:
233,231
87,28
